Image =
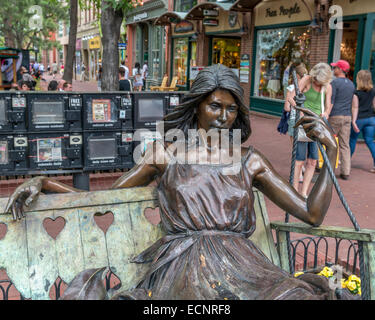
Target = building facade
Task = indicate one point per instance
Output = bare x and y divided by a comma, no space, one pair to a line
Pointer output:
258,40
146,42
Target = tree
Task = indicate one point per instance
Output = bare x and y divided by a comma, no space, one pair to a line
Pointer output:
27,24
112,15
71,52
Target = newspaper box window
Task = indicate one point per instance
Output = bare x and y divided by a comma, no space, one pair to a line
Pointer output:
49,151
149,108
54,112
108,150
107,112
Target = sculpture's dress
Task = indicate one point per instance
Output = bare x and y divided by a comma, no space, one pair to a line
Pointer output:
208,216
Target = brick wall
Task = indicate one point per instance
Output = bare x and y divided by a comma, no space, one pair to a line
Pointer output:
319,48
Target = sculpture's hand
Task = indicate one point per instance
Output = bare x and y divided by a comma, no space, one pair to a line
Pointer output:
316,128
25,194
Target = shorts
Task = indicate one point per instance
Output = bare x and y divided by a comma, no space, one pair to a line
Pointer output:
311,148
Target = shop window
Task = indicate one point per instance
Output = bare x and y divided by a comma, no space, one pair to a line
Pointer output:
227,52
276,50
155,52
184,5
180,56
348,46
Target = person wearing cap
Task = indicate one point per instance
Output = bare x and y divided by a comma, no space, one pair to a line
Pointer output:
339,113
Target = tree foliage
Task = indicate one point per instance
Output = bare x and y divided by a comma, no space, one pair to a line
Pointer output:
21,29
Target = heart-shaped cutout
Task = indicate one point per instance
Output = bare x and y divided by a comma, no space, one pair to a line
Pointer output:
152,215
3,230
104,220
54,226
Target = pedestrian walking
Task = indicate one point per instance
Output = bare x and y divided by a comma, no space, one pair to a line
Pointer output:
144,74
318,91
83,70
339,113
124,84
138,80
62,70
363,114
301,71
99,78
54,69
126,76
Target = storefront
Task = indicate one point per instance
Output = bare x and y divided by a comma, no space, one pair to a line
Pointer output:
209,33
78,57
146,41
95,56
184,53
282,35
355,41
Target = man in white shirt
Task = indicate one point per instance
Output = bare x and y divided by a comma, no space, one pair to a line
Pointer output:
125,68
144,74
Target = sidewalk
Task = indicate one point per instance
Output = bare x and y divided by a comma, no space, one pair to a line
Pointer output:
79,86
358,190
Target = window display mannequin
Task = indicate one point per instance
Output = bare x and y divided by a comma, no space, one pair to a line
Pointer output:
274,81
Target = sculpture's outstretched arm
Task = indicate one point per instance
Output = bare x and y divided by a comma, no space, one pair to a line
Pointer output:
313,209
142,174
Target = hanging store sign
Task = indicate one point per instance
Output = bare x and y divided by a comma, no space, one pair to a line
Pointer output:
183,26
140,16
94,43
232,18
122,45
244,68
283,11
210,22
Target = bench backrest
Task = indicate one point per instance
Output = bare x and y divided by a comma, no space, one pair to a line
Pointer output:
33,259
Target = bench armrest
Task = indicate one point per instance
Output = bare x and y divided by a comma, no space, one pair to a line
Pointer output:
325,231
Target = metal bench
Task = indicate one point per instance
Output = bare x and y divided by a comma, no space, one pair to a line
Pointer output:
33,260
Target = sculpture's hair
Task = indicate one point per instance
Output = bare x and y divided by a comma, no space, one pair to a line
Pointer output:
207,81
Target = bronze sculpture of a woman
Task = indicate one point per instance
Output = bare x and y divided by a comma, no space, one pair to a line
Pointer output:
207,213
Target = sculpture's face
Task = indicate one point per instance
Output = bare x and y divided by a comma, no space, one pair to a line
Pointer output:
218,111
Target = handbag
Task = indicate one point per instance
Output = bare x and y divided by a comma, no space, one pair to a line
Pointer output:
282,127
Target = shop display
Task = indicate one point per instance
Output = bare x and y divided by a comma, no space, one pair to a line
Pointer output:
227,51
180,57
276,49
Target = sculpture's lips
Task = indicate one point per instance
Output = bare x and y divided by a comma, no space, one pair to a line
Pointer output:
219,127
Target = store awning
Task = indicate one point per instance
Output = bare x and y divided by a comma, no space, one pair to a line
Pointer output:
196,13
170,17
245,5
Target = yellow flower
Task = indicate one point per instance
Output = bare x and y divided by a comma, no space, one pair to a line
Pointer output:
343,283
298,274
359,291
326,272
351,285
354,278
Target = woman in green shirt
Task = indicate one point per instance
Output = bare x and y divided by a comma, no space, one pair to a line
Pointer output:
318,92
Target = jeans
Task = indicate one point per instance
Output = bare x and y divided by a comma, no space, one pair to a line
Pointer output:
367,127
311,148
